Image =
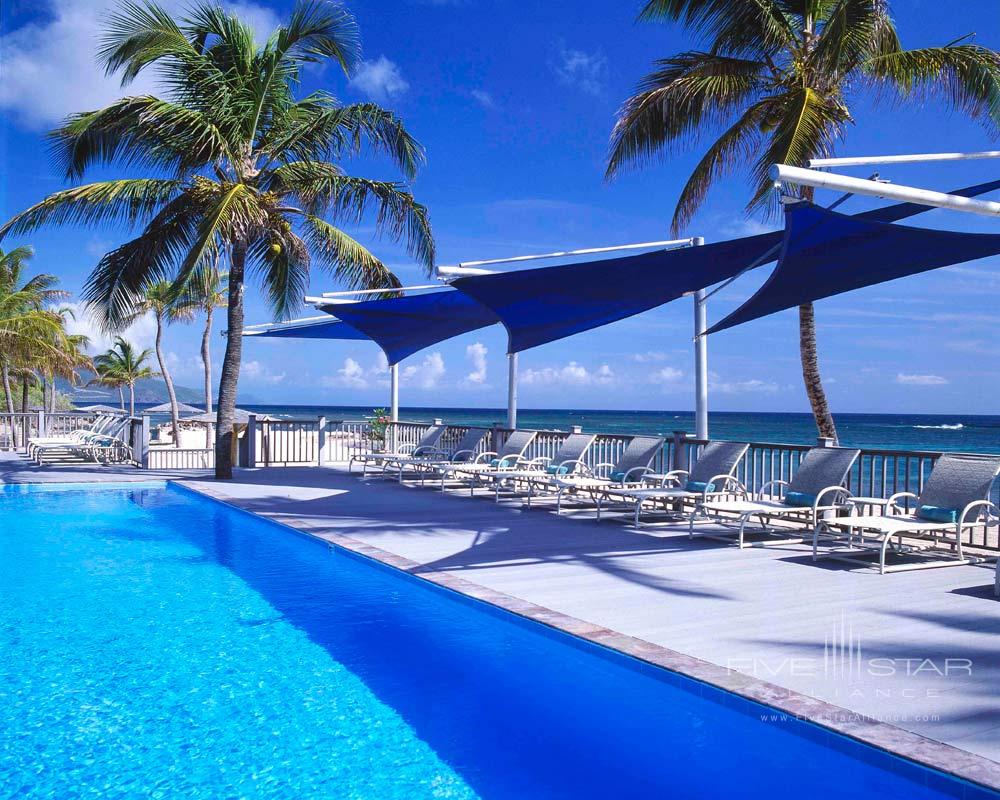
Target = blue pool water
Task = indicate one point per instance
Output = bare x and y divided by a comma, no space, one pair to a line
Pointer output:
158,644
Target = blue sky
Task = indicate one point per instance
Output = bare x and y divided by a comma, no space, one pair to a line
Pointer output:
514,102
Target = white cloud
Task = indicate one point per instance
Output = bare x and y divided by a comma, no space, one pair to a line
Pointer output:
351,375
140,333
49,69
666,375
379,79
920,380
426,374
476,353
754,385
484,98
584,71
255,371
572,374
648,357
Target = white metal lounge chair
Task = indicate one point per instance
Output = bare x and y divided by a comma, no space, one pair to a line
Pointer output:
86,445
429,440
540,474
816,488
430,458
98,425
711,478
954,500
509,456
594,482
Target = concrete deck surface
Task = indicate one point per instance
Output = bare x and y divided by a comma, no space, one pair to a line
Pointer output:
919,650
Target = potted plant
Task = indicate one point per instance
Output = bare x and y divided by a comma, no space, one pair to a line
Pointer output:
378,429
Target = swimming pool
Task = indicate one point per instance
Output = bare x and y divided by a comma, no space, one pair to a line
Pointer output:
157,643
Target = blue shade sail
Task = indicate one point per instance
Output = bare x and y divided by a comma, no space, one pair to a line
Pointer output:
543,305
403,325
549,303
825,253
311,329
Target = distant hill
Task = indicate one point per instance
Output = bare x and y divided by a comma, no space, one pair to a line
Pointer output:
152,390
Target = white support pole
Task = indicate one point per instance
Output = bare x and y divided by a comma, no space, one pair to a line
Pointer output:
911,158
700,359
781,173
394,392
512,390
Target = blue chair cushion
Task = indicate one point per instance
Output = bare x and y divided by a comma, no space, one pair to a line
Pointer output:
494,462
617,477
937,514
800,499
557,469
699,487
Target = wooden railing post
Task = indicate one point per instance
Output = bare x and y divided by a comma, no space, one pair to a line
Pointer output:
41,422
320,441
251,435
576,428
825,441
680,455
144,431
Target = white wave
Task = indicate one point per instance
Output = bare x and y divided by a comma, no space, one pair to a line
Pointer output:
956,427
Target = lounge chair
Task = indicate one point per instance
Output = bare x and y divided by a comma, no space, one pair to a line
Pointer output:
87,444
426,442
429,459
711,478
539,475
955,499
98,425
628,470
816,488
509,456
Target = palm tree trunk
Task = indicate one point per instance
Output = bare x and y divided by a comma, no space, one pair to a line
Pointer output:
810,373
229,379
206,358
131,399
121,397
24,395
171,394
9,399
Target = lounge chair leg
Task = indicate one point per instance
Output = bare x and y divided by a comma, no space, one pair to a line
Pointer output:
881,560
744,518
559,495
638,509
598,509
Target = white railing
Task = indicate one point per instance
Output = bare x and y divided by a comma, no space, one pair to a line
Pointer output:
172,458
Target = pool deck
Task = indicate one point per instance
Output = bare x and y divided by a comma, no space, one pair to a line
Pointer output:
909,662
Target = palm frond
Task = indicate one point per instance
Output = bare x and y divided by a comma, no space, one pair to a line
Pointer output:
735,148
138,131
854,31
314,133
127,200
318,30
803,125
734,27
281,260
346,258
968,76
688,91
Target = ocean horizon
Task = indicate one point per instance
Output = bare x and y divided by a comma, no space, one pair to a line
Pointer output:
975,433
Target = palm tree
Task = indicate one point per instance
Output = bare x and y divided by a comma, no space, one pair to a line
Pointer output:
161,299
105,375
124,364
28,331
776,81
206,291
251,171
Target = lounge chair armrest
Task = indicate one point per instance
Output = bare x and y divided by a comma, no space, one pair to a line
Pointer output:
597,467
674,475
963,520
892,501
540,461
765,489
405,449
577,463
457,453
485,456
839,496
728,484
640,470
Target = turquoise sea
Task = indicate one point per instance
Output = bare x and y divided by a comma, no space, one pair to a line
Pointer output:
952,432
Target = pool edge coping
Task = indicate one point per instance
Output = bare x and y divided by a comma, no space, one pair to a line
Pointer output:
884,736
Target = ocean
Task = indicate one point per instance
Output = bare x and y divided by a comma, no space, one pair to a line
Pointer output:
952,432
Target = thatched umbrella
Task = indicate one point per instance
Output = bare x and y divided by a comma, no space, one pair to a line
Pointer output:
164,408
